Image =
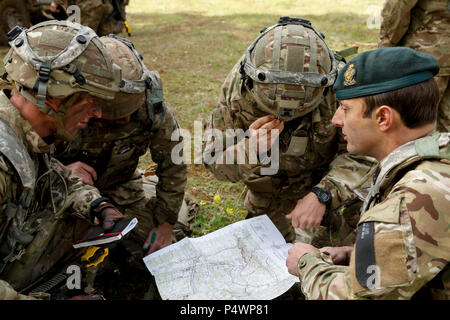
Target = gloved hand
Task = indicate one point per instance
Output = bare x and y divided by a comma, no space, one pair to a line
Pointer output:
107,214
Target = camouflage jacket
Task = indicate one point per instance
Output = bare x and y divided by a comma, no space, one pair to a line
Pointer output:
308,145
423,25
402,244
27,184
114,152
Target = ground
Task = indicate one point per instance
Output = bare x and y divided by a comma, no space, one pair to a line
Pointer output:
194,43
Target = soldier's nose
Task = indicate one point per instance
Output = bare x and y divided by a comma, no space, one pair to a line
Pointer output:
337,118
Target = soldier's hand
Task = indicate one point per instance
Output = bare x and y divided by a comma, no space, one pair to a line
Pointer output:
163,237
295,253
265,130
339,255
307,213
107,215
85,172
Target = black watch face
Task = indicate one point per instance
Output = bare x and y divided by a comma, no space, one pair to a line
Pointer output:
322,195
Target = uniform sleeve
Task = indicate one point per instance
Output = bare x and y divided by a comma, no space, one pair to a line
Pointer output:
79,195
402,244
171,177
396,17
349,178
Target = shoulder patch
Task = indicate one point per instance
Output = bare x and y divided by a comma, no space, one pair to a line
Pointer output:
365,252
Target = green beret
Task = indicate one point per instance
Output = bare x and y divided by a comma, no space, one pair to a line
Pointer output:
382,70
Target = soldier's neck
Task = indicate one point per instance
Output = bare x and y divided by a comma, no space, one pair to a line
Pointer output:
401,136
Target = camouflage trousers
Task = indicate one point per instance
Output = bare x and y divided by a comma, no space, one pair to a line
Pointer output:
443,121
337,228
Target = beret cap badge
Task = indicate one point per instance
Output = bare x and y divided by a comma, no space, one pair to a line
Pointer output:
349,76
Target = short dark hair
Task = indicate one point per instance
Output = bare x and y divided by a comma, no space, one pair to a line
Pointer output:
417,104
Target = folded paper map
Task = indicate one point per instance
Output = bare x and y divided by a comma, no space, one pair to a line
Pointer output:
245,260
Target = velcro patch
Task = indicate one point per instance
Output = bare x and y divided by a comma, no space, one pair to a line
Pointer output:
365,253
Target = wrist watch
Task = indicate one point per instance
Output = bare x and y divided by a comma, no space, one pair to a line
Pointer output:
323,195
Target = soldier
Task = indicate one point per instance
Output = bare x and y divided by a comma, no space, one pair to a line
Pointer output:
106,153
103,16
422,25
388,108
282,82
63,74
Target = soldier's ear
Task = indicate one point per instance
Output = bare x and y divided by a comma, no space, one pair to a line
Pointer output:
385,117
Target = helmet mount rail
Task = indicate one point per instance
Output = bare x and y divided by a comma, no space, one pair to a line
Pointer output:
310,79
45,64
150,81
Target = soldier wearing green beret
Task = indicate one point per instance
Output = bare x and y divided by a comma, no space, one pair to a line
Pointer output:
62,75
387,109
423,25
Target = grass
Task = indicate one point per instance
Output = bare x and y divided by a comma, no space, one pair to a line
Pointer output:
194,44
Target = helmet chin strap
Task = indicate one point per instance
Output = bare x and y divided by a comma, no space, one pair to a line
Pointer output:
61,131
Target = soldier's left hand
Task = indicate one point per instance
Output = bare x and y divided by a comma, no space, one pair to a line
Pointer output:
295,253
307,213
163,237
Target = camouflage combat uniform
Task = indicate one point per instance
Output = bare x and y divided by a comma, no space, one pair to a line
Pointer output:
114,152
423,25
308,145
44,237
402,246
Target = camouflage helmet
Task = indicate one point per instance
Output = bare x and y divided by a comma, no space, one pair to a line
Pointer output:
138,85
287,68
60,58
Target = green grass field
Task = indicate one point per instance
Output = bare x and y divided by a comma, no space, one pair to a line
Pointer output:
194,44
